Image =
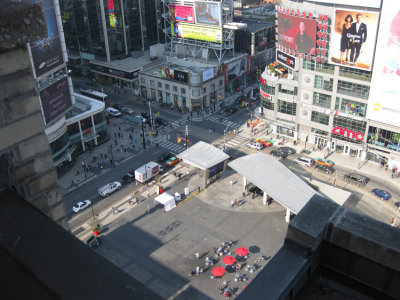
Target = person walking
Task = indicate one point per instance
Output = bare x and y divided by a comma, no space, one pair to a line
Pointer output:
197,255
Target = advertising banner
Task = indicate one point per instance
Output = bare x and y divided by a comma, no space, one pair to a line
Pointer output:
174,74
46,52
181,76
297,34
204,33
285,59
384,97
208,74
238,67
181,13
55,100
353,38
208,13
167,73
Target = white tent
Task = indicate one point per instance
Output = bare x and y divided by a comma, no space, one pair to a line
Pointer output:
167,200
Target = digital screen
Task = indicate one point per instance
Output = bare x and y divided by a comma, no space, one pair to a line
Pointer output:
190,31
208,13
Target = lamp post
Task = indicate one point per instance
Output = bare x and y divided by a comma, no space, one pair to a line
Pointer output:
143,140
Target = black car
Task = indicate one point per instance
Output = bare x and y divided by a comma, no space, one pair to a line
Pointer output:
117,106
287,150
129,177
356,178
278,153
145,115
160,122
164,157
324,168
239,100
230,111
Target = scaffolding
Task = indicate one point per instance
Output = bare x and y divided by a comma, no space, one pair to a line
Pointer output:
199,48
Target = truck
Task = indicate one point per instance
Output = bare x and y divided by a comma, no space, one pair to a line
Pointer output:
147,171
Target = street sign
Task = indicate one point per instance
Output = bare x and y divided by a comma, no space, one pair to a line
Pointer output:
187,130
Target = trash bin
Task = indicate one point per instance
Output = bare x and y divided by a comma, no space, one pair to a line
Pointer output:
186,191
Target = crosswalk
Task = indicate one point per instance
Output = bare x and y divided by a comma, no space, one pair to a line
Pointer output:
238,140
223,121
172,147
177,123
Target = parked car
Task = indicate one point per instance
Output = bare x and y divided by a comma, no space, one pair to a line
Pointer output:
81,205
255,145
381,194
324,168
356,178
164,157
160,122
129,177
172,161
117,106
278,153
304,161
127,110
287,150
109,188
263,142
324,161
113,112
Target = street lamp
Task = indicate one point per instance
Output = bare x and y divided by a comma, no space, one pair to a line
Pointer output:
143,140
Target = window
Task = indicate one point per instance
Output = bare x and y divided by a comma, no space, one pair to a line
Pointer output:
319,132
355,73
350,107
325,68
183,91
287,107
350,124
152,82
167,86
205,90
142,80
383,138
159,84
268,89
220,82
322,84
175,88
268,105
319,118
196,93
286,91
308,65
322,100
353,89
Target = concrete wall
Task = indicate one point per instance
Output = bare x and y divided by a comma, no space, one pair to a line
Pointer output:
26,163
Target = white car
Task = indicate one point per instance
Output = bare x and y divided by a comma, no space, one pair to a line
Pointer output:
128,110
304,161
256,145
141,119
113,111
109,188
81,205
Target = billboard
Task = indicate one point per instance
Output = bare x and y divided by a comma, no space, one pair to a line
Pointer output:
174,74
46,52
181,13
55,100
208,13
285,59
296,33
383,103
353,38
208,74
204,33
114,14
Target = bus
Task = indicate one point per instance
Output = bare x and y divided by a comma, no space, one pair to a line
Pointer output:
96,95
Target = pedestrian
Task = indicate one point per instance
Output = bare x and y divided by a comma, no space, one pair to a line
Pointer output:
232,203
214,128
113,210
119,128
116,144
132,130
77,172
231,183
187,173
119,135
179,176
115,135
156,145
197,255
105,156
148,209
237,203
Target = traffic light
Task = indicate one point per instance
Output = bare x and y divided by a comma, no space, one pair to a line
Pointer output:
178,140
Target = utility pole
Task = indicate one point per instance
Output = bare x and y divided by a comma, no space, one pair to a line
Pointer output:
143,140
186,135
151,117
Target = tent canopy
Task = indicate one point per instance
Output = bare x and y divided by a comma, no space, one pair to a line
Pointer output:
164,198
203,156
275,179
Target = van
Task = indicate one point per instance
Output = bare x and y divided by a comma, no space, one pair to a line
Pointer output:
305,161
356,178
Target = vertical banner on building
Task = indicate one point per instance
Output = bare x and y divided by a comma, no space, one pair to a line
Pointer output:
46,53
226,74
248,64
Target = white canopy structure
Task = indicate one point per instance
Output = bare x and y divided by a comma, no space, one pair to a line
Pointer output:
167,200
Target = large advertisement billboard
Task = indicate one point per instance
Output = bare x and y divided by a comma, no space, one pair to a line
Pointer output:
55,100
384,98
353,38
46,52
208,13
204,33
285,59
181,13
174,74
297,34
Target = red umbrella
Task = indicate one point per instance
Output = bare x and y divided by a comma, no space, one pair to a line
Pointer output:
229,260
242,251
218,271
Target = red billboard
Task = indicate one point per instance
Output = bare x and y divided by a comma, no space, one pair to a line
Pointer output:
181,13
297,34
